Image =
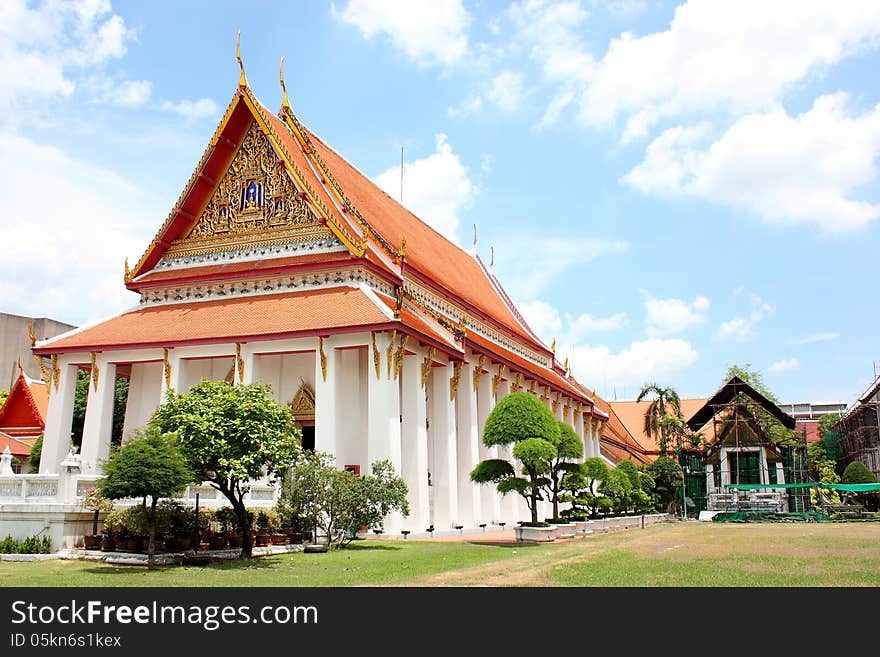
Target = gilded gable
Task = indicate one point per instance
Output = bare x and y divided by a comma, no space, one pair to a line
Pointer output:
255,203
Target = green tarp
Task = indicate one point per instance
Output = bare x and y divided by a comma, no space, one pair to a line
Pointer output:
850,488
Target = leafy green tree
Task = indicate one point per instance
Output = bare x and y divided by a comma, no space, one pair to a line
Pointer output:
36,453
231,435
858,473
668,478
4,395
80,403
521,420
827,423
581,486
664,401
568,446
148,466
340,502
617,487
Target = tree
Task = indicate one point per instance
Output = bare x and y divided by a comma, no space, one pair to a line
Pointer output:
858,473
668,478
664,400
568,446
827,423
338,501
521,420
581,485
4,394
80,403
617,488
231,435
36,453
148,466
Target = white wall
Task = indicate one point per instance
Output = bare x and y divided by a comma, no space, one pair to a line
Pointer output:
351,395
194,370
285,373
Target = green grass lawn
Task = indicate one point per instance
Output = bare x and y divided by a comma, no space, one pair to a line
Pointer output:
675,554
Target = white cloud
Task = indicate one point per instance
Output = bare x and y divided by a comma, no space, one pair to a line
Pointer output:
466,107
667,316
784,365
585,323
428,34
62,253
548,324
744,328
817,337
644,360
194,109
787,170
734,56
542,318
548,259
124,93
43,48
506,91
435,188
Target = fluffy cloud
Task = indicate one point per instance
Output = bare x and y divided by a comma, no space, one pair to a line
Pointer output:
736,56
644,360
784,365
741,329
667,316
435,34
787,170
193,109
44,47
123,93
548,324
435,188
506,91
62,252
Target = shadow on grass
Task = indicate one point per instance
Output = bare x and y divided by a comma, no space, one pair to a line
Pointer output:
371,546
505,544
225,564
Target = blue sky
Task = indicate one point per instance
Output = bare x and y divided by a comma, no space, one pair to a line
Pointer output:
668,188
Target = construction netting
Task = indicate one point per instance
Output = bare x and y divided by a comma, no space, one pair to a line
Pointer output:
850,488
770,516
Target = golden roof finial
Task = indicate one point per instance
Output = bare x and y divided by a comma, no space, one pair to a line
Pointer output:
566,365
401,252
242,80
32,336
553,346
127,271
285,101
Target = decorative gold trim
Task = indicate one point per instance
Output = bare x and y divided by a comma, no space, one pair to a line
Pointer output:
377,361
166,363
95,373
517,382
31,335
545,393
45,373
56,371
390,354
496,379
555,402
454,379
239,363
427,364
399,295
285,101
553,346
302,406
399,354
478,371
242,80
533,388
565,366
126,277
565,408
323,357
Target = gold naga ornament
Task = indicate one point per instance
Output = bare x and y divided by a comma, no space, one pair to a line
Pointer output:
166,364
323,358
496,379
95,373
427,364
239,363
377,363
399,354
478,371
454,380
389,355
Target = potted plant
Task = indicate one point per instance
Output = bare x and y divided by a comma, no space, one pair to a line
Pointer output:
181,526
228,521
113,527
264,525
94,501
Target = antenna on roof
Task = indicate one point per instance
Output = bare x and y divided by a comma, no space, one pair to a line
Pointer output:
285,101
242,80
401,174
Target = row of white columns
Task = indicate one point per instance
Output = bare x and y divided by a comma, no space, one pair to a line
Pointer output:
399,413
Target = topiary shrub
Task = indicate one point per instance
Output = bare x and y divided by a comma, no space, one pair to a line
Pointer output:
858,473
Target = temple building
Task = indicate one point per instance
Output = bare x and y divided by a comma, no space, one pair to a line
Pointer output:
281,263
22,420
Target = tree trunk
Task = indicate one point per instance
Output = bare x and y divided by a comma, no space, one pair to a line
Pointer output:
534,505
95,523
151,543
247,545
555,498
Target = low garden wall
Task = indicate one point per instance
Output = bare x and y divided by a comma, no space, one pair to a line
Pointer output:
587,527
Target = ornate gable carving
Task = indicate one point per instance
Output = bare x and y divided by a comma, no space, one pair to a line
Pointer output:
255,203
303,405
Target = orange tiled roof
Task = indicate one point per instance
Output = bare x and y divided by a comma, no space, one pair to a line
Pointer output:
18,447
40,394
261,316
632,416
24,411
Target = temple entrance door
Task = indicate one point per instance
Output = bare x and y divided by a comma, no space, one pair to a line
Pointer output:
308,436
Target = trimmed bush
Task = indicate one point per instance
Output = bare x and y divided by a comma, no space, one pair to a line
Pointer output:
858,473
31,545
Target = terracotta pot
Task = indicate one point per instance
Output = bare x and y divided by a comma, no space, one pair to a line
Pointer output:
279,539
108,544
217,542
262,540
92,542
234,540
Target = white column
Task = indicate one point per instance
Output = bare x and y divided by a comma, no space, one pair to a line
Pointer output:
445,474
383,421
59,419
780,473
710,478
468,438
325,398
490,502
249,363
98,425
578,424
414,443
